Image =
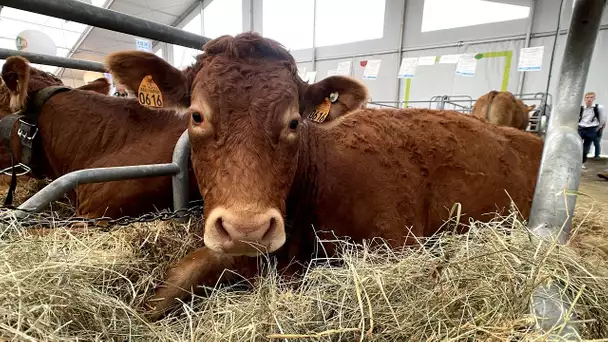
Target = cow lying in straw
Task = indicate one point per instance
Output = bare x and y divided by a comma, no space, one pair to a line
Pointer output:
85,129
26,81
502,108
267,177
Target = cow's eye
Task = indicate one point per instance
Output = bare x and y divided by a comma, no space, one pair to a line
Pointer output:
293,124
197,117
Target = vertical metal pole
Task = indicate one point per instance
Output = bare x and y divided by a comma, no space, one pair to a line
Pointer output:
557,27
522,75
181,157
251,15
552,209
551,214
201,11
401,35
314,35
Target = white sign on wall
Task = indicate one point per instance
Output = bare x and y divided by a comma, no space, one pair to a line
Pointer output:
408,67
449,59
372,69
466,65
530,59
302,72
343,68
427,60
143,45
331,72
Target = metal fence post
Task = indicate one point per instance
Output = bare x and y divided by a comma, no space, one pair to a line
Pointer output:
561,162
552,208
181,157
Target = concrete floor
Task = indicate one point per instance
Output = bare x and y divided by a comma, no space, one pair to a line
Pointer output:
593,185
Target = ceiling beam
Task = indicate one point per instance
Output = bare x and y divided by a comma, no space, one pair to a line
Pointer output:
80,40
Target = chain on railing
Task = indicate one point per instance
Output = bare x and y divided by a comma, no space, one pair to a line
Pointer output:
45,219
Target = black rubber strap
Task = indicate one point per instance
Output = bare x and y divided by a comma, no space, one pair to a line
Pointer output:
6,129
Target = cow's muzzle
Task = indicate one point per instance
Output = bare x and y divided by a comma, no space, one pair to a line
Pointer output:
236,232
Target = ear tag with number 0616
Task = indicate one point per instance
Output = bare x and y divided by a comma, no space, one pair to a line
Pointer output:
149,94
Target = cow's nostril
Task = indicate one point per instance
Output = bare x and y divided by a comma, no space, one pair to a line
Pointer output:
219,227
271,229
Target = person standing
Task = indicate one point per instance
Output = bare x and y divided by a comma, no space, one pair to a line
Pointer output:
597,142
591,119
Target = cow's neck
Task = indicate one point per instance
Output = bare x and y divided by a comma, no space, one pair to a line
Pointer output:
303,197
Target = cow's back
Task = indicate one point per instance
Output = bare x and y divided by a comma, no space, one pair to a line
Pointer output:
385,170
501,108
83,129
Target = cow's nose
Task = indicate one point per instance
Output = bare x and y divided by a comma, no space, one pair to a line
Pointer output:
239,233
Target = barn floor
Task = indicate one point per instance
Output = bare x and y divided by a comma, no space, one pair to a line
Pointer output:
591,184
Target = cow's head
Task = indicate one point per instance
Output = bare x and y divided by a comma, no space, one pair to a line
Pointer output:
20,79
247,107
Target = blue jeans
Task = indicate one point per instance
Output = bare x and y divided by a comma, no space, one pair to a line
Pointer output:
588,134
597,142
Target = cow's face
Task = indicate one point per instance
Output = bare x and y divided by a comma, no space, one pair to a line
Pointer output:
244,101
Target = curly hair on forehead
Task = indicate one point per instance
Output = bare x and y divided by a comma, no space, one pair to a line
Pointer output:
242,46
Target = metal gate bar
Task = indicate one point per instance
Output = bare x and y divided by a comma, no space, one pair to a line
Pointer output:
84,13
178,168
78,64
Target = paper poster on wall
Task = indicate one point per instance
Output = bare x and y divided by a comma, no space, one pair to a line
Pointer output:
331,72
372,68
408,67
530,59
427,60
143,45
449,59
310,77
466,65
343,68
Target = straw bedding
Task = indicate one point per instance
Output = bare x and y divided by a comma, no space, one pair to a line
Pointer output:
90,286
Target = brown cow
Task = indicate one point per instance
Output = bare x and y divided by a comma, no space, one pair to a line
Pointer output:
84,129
30,81
270,179
502,108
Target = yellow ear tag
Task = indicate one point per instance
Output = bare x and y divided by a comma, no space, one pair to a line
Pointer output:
149,94
320,113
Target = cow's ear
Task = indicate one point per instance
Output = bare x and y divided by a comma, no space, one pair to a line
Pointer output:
136,68
340,93
530,108
16,73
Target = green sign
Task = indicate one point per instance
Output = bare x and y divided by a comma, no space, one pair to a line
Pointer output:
21,43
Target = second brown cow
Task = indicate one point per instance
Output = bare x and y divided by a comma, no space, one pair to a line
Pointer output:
503,109
272,181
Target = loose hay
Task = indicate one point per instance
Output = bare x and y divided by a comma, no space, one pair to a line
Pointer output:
91,286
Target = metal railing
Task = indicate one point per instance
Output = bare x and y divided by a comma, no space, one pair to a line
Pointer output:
465,103
178,169
104,18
